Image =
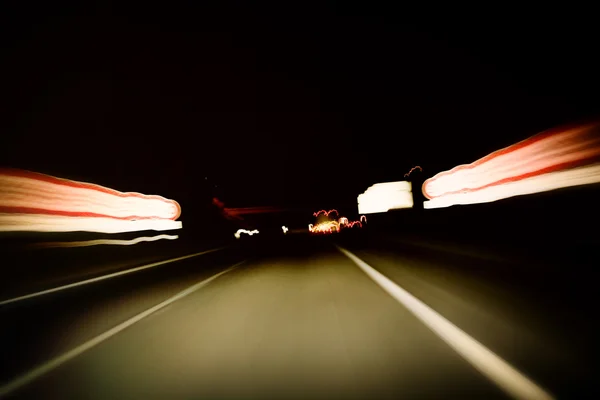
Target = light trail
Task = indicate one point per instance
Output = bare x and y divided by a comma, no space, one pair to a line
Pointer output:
112,242
34,202
551,181
533,165
406,175
325,227
383,197
326,213
25,192
53,223
238,234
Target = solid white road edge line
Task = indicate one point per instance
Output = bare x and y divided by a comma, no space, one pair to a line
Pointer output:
484,360
52,364
101,278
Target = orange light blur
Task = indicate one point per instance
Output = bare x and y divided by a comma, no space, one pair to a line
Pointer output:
354,223
325,227
332,226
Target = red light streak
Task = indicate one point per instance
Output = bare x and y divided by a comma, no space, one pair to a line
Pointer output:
531,163
31,201
406,175
25,192
325,227
328,227
326,213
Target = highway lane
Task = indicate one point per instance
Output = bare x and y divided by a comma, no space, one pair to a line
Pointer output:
538,315
45,326
298,320
30,269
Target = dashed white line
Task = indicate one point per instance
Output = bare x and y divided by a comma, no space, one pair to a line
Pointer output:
104,277
484,360
54,363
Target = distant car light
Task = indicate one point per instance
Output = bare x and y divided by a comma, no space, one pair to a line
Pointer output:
238,234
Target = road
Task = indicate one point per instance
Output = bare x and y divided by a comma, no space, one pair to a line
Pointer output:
304,318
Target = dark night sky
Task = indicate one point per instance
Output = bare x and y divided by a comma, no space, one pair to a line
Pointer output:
296,106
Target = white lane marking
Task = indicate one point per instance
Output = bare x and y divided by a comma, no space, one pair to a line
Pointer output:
484,360
101,278
54,363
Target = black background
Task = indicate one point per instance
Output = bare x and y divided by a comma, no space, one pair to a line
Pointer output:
301,105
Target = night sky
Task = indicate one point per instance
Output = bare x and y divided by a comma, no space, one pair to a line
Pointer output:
271,106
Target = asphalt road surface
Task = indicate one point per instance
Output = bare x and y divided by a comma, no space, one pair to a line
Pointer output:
306,319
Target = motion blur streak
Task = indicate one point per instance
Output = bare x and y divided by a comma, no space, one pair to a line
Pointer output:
383,197
546,153
86,243
542,183
325,213
489,364
54,223
58,361
406,175
325,227
34,193
352,224
238,234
